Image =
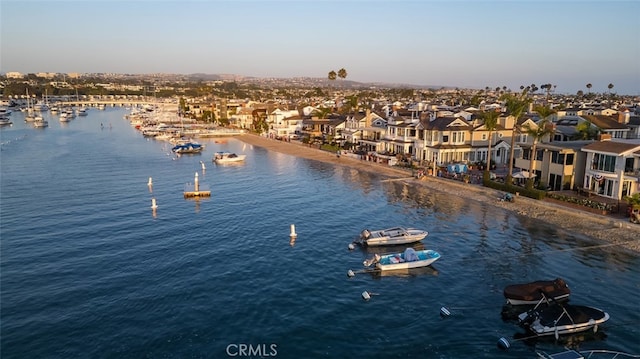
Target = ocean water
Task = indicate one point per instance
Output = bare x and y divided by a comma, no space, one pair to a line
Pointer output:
89,270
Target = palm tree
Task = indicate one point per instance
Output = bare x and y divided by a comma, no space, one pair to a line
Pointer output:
610,87
543,128
516,106
332,76
589,87
321,112
342,73
586,131
490,124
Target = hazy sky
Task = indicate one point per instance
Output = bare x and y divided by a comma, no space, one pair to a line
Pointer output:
445,43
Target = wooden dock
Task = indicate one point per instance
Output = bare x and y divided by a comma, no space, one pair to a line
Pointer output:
195,190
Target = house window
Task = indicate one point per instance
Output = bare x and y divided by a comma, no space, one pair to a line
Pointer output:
628,164
526,154
458,137
484,136
557,157
602,162
569,160
539,154
445,138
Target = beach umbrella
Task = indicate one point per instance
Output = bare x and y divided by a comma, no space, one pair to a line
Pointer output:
523,174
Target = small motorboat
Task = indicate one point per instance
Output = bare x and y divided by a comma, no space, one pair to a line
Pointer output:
562,318
531,293
227,157
391,236
188,147
408,259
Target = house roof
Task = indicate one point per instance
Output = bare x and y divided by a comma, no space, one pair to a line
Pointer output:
442,124
605,122
613,147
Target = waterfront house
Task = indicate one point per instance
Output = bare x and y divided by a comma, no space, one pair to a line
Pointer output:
374,129
443,140
612,167
401,133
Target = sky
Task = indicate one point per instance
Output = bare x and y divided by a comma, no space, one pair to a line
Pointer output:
465,44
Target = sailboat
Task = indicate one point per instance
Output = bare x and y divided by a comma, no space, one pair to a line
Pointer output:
30,116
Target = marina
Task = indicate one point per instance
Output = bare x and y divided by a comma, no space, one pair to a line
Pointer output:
112,261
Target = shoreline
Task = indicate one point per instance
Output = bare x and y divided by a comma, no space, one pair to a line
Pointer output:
614,232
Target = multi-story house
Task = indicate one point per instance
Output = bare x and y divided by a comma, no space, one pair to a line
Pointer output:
283,122
400,134
372,133
559,165
443,140
612,167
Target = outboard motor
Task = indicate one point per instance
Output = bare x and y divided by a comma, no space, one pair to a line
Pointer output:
371,261
365,234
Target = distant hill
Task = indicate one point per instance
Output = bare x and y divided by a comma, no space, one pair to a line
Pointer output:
308,81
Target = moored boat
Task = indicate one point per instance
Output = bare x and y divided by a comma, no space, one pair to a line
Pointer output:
408,259
391,236
562,318
188,147
533,292
227,157
591,354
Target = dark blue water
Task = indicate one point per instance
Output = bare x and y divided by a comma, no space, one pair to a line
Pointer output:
88,270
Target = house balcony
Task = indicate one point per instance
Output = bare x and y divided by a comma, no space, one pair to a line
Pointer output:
633,174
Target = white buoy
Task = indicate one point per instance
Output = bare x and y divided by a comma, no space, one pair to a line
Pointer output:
293,233
203,167
350,273
153,203
445,312
351,246
365,295
503,343
196,185
150,183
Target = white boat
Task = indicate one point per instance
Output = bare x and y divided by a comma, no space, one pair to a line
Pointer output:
408,259
40,122
227,157
391,236
5,121
590,354
561,318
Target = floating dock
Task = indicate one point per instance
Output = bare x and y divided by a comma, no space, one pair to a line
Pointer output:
195,190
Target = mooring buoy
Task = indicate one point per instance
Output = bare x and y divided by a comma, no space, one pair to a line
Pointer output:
503,343
445,312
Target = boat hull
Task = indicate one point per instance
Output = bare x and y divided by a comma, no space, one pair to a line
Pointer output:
533,292
228,158
392,236
564,319
400,261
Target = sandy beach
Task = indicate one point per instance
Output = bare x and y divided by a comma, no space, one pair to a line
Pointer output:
612,232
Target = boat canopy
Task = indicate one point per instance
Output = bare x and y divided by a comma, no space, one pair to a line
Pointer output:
410,255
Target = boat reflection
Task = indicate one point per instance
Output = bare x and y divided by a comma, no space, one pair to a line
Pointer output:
413,272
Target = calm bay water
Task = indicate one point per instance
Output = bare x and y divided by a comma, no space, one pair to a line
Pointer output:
87,270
